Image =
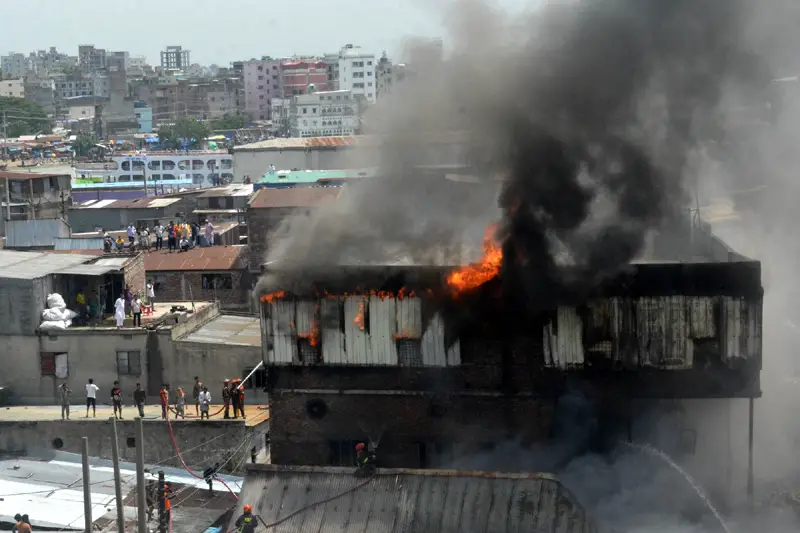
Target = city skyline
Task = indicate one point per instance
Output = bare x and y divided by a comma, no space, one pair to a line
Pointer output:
247,29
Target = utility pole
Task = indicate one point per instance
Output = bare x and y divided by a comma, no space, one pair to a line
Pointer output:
141,500
117,480
5,136
87,491
162,503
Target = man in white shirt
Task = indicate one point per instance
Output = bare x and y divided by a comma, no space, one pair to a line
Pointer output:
131,233
151,293
205,402
159,230
209,230
91,398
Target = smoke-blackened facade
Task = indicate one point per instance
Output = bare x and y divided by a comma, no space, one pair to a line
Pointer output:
442,376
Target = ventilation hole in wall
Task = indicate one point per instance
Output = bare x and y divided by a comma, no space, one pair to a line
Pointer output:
58,443
131,442
316,408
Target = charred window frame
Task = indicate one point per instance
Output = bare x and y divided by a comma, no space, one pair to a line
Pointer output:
308,352
342,452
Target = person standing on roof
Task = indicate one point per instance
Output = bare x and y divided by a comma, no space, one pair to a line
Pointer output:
226,397
235,397
119,312
247,522
116,399
159,230
209,230
151,294
205,403
22,525
139,398
164,395
91,397
131,233
180,405
196,390
66,392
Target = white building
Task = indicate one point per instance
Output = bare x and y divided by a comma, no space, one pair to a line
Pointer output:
14,65
326,113
13,88
78,112
357,72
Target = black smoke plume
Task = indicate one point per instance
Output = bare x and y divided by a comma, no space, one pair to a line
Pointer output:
580,117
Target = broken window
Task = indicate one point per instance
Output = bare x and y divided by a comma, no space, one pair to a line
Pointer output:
54,364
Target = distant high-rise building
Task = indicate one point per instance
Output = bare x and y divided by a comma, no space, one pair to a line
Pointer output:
357,72
91,59
299,75
262,82
175,58
13,65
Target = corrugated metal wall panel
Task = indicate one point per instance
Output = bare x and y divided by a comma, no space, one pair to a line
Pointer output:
304,317
701,317
34,233
356,340
284,339
650,326
563,339
663,332
409,318
741,323
433,352
382,330
332,335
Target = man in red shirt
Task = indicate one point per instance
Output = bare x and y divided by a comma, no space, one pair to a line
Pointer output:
164,400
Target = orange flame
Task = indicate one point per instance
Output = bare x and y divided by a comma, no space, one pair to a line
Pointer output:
405,334
469,277
272,296
359,319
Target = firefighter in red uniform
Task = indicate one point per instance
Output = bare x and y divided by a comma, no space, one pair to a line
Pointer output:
247,522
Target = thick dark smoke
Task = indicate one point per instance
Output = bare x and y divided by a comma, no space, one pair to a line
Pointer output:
587,111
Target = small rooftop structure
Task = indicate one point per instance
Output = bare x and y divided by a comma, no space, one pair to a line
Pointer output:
237,189
396,500
269,198
138,203
198,258
292,178
228,330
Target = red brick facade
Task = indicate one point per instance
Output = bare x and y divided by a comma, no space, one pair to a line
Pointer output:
233,287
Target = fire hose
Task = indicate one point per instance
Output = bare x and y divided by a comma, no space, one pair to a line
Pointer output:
177,451
259,365
311,505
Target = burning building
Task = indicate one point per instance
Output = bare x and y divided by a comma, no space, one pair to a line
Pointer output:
438,363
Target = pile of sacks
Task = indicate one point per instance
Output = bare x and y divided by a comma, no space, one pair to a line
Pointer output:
56,316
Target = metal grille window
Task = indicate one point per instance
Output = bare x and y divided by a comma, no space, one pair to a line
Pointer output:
129,363
409,352
342,452
308,353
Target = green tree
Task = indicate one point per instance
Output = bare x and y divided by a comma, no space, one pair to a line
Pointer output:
188,128
83,144
24,117
229,122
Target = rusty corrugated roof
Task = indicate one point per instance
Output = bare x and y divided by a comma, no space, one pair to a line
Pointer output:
267,198
396,500
198,258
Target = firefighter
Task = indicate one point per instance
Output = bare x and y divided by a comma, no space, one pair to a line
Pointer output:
247,522
226,397
365,459
237,397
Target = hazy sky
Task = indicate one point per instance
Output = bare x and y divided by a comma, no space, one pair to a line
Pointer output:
219,31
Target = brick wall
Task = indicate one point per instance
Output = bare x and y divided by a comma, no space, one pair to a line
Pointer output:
468,423
134,274
188,285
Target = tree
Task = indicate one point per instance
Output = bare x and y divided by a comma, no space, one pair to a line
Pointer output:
83,144
186,131
24,117
229,122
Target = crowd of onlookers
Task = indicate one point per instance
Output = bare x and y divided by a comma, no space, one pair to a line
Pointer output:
180,237
232,397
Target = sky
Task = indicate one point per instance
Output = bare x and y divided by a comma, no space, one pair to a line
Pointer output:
219,32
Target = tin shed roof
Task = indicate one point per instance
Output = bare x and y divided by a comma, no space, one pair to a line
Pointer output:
294,197
399,500
198,258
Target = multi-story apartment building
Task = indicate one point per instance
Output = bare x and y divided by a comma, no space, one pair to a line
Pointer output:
388,76
332,62
203,100
357,72
14,65
262,82
299,74
43,63
96,85
42,92
91,59
326,113
12,88
175,57
279,113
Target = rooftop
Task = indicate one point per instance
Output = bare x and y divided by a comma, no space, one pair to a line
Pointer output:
32,265
30,175
301,143
228,329
314,176
138,203
268,198
198,258
237,189
395,500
